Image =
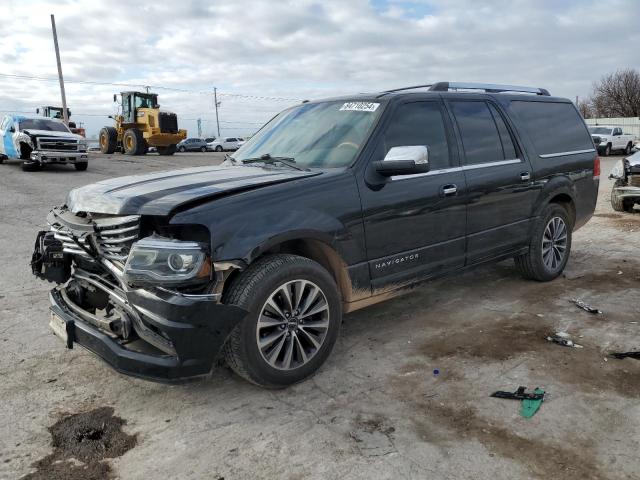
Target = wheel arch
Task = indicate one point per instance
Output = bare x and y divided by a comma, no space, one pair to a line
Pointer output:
312,247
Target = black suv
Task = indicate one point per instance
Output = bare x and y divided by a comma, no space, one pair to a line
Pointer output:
332,206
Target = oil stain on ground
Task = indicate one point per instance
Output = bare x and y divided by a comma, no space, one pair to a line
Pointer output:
81,442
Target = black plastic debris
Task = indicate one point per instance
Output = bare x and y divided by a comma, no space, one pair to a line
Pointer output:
623,355
563,339
585,307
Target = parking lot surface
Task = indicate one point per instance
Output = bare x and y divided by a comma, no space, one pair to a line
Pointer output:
376,409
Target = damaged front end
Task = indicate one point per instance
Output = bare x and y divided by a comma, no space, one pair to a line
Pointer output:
626,174
136,292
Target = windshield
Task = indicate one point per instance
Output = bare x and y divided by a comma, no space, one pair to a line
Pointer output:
600,130
321,135
42,124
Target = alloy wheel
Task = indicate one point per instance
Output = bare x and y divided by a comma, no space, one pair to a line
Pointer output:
554,243
293,324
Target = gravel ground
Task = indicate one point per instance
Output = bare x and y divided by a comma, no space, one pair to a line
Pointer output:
376,409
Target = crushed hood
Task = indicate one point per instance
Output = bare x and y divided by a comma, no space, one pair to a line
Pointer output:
160,193
49,133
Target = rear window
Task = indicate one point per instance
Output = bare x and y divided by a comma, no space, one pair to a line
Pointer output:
554,128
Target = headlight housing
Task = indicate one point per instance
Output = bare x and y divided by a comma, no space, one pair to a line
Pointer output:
82,147
165,262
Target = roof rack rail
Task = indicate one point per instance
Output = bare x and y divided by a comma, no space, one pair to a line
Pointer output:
487,87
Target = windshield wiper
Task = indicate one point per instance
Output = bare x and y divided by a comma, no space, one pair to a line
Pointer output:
267,158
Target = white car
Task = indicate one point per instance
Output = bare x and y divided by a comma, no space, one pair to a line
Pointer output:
225,143
609,138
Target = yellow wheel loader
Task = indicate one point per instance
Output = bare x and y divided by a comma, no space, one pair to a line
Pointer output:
139,125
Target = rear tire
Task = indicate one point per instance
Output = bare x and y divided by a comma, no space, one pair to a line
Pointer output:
628,148
550,245
170,150
133,142
292,355
203,149
108,140
607,150
81,166
618,203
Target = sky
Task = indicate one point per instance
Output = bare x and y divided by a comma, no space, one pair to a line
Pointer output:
263,56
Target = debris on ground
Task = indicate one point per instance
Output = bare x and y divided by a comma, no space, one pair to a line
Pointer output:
585,307
623,355
563,338
531,401
80,444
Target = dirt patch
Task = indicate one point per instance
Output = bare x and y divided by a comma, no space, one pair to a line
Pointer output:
607,215
543,459
498,341
80,443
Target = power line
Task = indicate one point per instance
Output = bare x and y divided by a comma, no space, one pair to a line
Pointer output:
155,87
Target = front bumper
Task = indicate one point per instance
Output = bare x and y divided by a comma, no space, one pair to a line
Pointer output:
43,156
195,328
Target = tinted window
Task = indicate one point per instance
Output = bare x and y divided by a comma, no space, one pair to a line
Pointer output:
5,123
231,140
553,127
419,123
508,146
480,137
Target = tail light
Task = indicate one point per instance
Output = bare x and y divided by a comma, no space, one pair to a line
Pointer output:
596,168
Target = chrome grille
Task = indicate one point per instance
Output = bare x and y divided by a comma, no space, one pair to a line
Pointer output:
58,144
113,236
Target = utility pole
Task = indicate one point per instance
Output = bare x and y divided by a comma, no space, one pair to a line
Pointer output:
215,102
65,113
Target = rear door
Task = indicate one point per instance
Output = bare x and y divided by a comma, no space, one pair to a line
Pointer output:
499,180
414,224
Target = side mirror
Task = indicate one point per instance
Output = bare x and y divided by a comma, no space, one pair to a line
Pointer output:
37,110
12,129
407,160
110,116
114,98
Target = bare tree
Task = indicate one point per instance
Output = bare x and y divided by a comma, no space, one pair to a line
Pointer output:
617,94
585,108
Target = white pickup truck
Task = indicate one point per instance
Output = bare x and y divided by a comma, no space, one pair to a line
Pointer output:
609,138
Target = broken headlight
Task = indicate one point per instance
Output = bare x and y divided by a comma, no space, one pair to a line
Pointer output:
166,262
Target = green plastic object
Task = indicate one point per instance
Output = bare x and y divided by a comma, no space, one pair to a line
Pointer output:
530,407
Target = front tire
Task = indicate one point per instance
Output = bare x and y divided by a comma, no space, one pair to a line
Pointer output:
607,150
550,245
219,148
628,148
133,142
293,322
31,166
81,166
108,140
182,149
618,203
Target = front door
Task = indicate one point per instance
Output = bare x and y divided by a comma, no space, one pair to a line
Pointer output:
415,224
499,179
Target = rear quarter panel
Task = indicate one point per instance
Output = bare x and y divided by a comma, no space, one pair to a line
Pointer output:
570,174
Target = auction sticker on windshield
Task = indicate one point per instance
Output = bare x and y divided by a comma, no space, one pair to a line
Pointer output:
360,106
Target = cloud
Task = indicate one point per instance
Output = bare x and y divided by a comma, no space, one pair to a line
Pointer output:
304,49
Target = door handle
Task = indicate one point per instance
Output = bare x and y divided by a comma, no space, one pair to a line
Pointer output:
449,190
525,176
